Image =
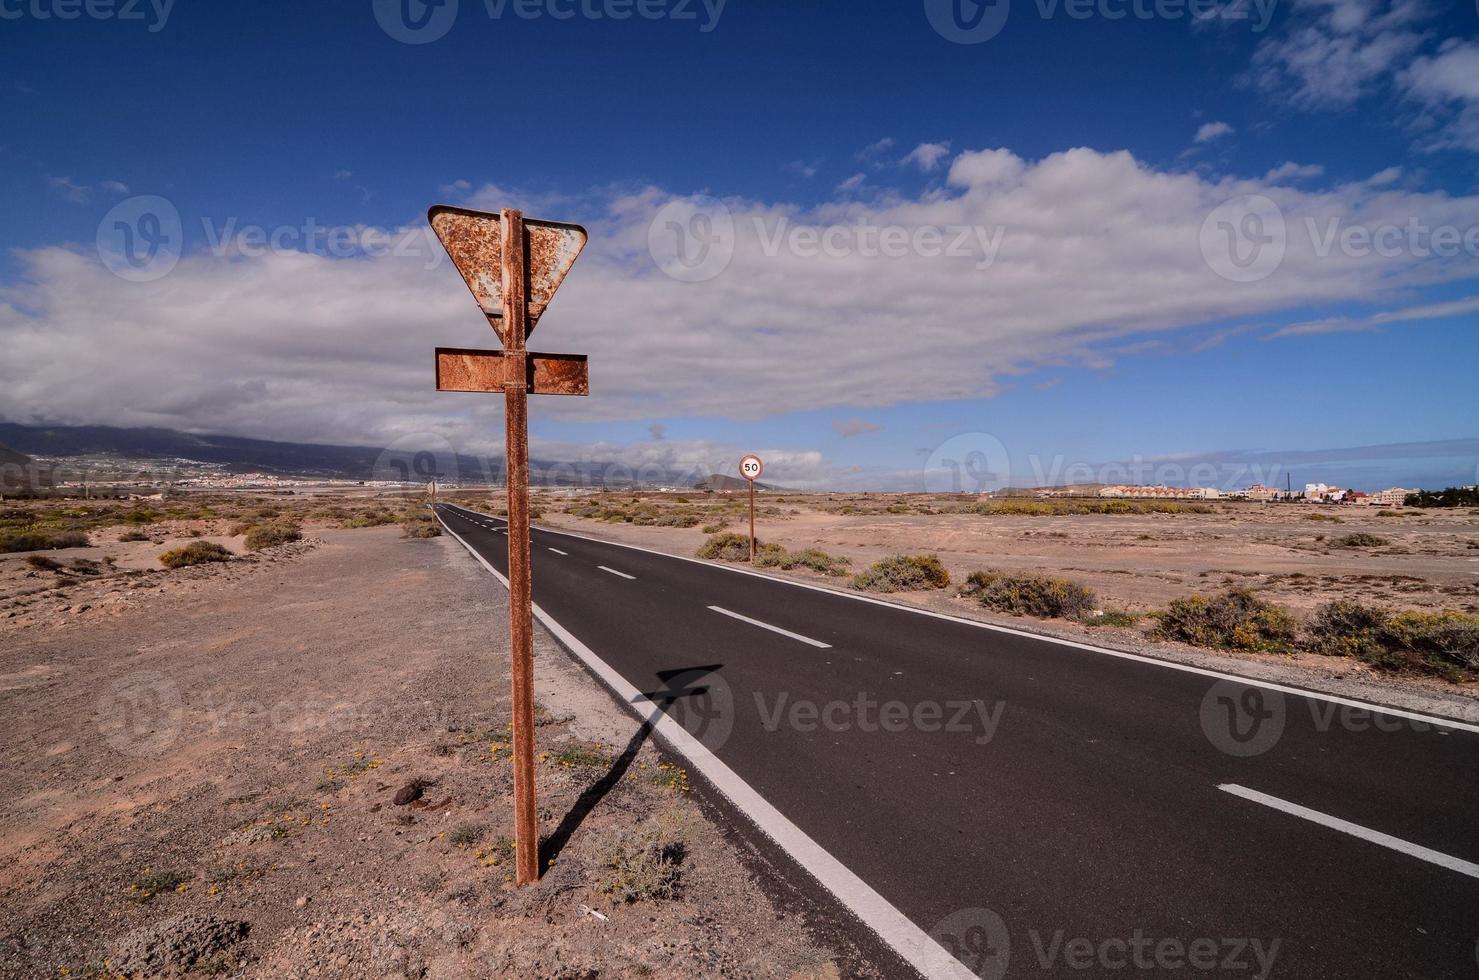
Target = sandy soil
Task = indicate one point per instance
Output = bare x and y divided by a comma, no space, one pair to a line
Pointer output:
1139,562
201,766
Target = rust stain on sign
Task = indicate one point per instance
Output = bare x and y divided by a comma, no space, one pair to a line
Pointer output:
459,369
474,241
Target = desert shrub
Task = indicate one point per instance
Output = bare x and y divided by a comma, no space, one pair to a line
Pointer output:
677,520
465,834
642,863
1022,594
1359,540
1442,643
1391,513
195,553
1236,619
421,527
902,573
713,528
371,518
43,563
726,546
134,535
270,535
1112,617
774,556
42,540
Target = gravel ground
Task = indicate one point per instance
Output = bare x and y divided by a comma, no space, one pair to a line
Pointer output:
202,775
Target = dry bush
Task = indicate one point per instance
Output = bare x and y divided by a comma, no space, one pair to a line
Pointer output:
1441,643
1023,594
902,573
42,540
270,535
642,862
1360,540
195,553
726,546
1236,619
774,556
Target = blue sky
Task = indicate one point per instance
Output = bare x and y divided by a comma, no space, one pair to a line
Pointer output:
1098,149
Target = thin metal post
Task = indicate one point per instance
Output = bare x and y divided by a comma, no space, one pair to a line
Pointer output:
752,522
520,619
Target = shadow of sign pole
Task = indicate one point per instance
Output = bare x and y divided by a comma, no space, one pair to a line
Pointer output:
513,266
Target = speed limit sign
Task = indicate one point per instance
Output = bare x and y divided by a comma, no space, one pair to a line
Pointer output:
751,467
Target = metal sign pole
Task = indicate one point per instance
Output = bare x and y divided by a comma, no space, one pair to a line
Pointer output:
520,617
752,522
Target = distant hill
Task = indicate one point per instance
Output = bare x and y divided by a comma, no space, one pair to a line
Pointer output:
718,481
17,470
239,454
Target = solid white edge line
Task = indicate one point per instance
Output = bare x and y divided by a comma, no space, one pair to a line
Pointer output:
896,930
559,552
615,572
1355,830
1027,634
773,629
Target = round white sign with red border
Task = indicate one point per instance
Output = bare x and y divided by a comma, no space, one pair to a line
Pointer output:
751,467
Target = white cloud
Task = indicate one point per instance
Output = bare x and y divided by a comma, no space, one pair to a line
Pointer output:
927,156
1098,253
77,193
1208,132
1448,85
1293,171
851,184
1342,324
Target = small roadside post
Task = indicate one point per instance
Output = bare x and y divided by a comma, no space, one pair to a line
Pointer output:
513,265
750,468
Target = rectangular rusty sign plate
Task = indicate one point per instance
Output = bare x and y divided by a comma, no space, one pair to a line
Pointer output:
473,240
459,369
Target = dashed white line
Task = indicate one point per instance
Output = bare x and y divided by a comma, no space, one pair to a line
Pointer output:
559,552
1355,830
615,572
773,629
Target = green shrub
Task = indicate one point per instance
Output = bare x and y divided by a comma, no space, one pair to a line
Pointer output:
1022,594
1113,617
1441,643
726,546
270,535
1236,619
42,540
372,518
195,553
1360,540
903,573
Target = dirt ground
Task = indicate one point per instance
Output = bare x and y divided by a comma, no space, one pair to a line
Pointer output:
201,769
1288,554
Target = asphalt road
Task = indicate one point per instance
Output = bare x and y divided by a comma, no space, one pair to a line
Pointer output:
1043,809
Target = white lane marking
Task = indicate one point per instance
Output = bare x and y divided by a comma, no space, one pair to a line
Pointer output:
773,629
559,552
1053,640
896,930
615,572
1355,830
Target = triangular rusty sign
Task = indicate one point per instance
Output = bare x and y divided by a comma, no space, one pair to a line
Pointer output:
474,240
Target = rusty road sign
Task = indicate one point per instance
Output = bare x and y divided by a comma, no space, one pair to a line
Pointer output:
513,266
750,467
